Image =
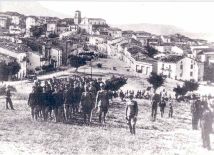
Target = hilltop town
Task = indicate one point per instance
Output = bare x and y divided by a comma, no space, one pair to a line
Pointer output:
38,41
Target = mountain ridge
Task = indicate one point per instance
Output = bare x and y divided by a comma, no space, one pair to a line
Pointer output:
161,29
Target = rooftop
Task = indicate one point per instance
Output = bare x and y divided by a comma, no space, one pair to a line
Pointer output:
172,58
17,48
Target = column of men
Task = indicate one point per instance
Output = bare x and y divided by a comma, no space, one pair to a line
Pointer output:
66,97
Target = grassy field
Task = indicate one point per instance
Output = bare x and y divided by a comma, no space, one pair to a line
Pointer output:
19,134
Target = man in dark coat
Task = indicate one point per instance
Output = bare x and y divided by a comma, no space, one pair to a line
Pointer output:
8,99
206,126
196,111
155,100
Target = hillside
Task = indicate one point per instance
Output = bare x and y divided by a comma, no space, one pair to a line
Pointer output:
19,134
164,30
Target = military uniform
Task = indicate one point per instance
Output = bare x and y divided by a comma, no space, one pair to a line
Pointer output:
206,127
155,100
8,100
196,113
131,114
102,103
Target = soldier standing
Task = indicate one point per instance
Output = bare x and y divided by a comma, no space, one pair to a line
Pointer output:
206,126
170,109
131,113
196,111
8,99
155,100
102,102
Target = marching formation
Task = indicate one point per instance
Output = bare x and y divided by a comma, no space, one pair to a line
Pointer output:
67,97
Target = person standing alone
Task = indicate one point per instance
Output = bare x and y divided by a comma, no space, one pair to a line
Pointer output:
131,113
8,99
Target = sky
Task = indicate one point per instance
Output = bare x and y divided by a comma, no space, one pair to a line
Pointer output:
191,16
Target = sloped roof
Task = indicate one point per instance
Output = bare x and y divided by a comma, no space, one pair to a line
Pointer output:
172,58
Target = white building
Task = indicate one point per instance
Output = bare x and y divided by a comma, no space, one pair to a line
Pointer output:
180,68
115,32
35,60
3,22
177,50
30,22
56,55
51,28
15,20
15,29
165,39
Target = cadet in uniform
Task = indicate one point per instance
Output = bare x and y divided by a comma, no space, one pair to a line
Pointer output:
131,113
155,100
206,126
102,102
8,99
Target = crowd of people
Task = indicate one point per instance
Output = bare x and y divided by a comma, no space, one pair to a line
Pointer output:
67,97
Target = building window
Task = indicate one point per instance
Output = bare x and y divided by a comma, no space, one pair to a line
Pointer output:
191,66
181,74
191,73
181,66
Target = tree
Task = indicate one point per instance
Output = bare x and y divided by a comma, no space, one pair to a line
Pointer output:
53,35
151,51
191,85
188,86
9,70
48,68
156,80
77,61
115,83
4,72
37,31
14,67
179,91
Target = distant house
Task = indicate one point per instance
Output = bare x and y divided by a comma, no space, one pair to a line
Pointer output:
97,39
30,22
165,39
128,34
51,28
143,37
197,49
115,32
56,56
4,22
206,55
96,21
177,50
180,68
15,20
15,29
163,48
35,60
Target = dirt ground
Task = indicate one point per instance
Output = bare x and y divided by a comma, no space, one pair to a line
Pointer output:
19,134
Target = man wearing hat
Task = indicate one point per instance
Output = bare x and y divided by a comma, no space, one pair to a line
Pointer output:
131,113
8,99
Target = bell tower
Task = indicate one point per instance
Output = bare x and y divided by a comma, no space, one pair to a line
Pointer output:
77,17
